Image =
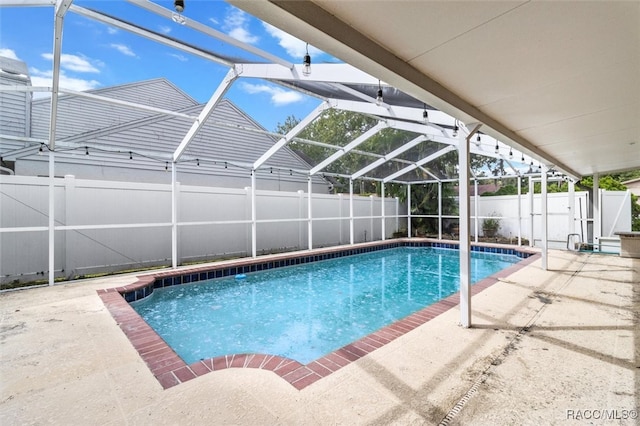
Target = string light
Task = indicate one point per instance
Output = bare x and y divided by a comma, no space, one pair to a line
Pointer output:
130,156
166,166
198,162
510,154
478,140
497,147
455,129
425,115
86,150
306,63
379,98
178,5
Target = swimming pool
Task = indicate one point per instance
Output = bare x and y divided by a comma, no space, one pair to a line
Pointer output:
306,311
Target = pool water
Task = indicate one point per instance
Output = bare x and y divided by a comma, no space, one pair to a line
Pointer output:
306,311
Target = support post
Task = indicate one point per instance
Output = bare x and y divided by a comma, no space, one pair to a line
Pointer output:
464,224
371,210
300,216
571,224
52,219
174,217
351,230
409,234
519,181
476,200
544,221
383,224
597,216
340,200
397,205
439,210
531,217
254,217
309,213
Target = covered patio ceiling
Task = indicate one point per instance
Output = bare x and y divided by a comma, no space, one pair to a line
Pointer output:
558,80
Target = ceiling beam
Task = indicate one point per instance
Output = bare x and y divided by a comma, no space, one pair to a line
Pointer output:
290,135
193,24
419,163
405,147
205,113
61,8
350,146
149,35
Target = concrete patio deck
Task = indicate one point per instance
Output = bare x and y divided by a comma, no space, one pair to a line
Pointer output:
547,347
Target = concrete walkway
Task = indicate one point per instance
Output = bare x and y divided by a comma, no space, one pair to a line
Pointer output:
547,347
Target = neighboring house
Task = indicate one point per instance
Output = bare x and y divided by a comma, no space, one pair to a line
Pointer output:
633,185
99,140
15,109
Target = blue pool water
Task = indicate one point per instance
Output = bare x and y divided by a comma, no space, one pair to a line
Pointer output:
306,311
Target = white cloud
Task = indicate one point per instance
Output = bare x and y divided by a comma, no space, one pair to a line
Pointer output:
73,63
112,30
243,35
44,78
214,21
279,96
165,29
124,49
9,53
294,47
179,57
236,24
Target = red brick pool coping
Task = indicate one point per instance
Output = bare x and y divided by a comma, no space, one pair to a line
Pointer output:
170,370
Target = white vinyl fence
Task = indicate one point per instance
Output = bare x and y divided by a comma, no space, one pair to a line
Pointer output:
105,226
522,217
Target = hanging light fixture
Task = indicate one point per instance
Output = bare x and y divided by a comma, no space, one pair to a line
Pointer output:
166,166
306,63
425,115
198,162
41,149
177,17
455,129
522,159
497,147
86,150
510,153
130,155
379,98
478,140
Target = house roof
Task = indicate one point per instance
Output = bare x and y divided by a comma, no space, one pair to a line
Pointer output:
124,136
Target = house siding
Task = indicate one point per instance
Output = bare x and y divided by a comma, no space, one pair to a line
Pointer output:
111,132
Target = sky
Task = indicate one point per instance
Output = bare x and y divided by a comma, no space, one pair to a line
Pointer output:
95,55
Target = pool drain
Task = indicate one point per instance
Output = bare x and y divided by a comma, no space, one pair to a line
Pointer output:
463,401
